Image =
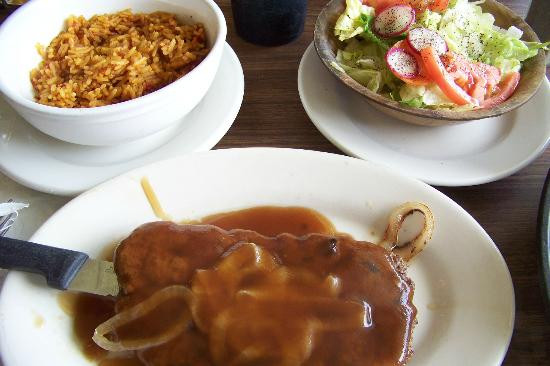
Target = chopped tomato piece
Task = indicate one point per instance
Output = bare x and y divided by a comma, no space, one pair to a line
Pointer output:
376,3
438,5
437,72
479,90
471,76
489,73
505,89
418,5
380,5
463,79
459,68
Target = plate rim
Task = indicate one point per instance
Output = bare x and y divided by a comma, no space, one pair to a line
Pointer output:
372,167
471,181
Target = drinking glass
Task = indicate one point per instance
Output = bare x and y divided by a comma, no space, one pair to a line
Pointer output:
269,22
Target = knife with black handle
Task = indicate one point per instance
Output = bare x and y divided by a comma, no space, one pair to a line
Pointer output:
63,269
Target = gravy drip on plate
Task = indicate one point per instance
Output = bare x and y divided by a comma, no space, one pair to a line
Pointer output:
317,291
272,221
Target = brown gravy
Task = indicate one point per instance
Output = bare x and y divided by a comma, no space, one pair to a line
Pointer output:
89,311
271,221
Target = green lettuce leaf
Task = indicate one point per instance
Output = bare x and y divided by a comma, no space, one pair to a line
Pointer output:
350,23
371,79
471,32
414,103
365,63
429,96
428,19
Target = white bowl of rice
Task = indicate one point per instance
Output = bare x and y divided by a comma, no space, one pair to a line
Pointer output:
119,72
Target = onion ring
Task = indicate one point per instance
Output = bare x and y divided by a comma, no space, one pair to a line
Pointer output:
411,248
139,310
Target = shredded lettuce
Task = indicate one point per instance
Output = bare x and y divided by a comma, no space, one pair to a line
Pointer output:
357,21
507,65
470,31
414,103
363,57
365,63
428,19
427,96
371,79
350,23
408,92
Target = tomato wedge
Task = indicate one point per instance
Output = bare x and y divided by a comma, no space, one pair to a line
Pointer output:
437,72
439,5
418,5
380,4
418,80
479,90
460,69
377,4
489,73
505,89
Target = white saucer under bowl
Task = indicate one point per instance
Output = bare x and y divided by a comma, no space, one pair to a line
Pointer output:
461,155
49,165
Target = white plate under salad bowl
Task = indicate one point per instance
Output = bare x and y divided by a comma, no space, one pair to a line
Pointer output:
464,292
46,164
457,155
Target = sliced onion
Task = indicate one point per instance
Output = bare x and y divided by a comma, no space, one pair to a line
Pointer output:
247,255
411,248
138,311
217,337
334,284
296,353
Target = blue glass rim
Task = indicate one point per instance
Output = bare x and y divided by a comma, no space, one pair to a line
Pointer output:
544,241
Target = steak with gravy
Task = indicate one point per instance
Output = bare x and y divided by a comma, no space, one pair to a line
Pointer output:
306,296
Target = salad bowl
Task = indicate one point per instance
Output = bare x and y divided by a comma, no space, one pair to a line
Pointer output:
532,71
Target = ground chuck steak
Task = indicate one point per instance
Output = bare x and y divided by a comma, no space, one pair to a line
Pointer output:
161,254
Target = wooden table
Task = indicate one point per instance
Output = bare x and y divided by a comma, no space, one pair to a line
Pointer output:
272,115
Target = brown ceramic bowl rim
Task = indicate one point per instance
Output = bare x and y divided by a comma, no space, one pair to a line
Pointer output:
536,65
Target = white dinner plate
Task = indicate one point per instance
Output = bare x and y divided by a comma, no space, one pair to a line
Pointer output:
464,292
49,165
460,155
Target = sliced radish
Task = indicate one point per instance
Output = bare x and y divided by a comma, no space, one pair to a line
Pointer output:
402,63
420,38
394,20
421,77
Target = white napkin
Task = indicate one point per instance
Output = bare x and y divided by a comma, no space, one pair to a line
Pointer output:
11,207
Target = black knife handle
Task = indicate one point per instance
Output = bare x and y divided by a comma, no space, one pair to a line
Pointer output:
58,266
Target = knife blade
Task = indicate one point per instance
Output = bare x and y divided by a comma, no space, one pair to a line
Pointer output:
96,277
63,269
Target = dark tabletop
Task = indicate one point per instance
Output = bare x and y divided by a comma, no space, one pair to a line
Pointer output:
272,115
